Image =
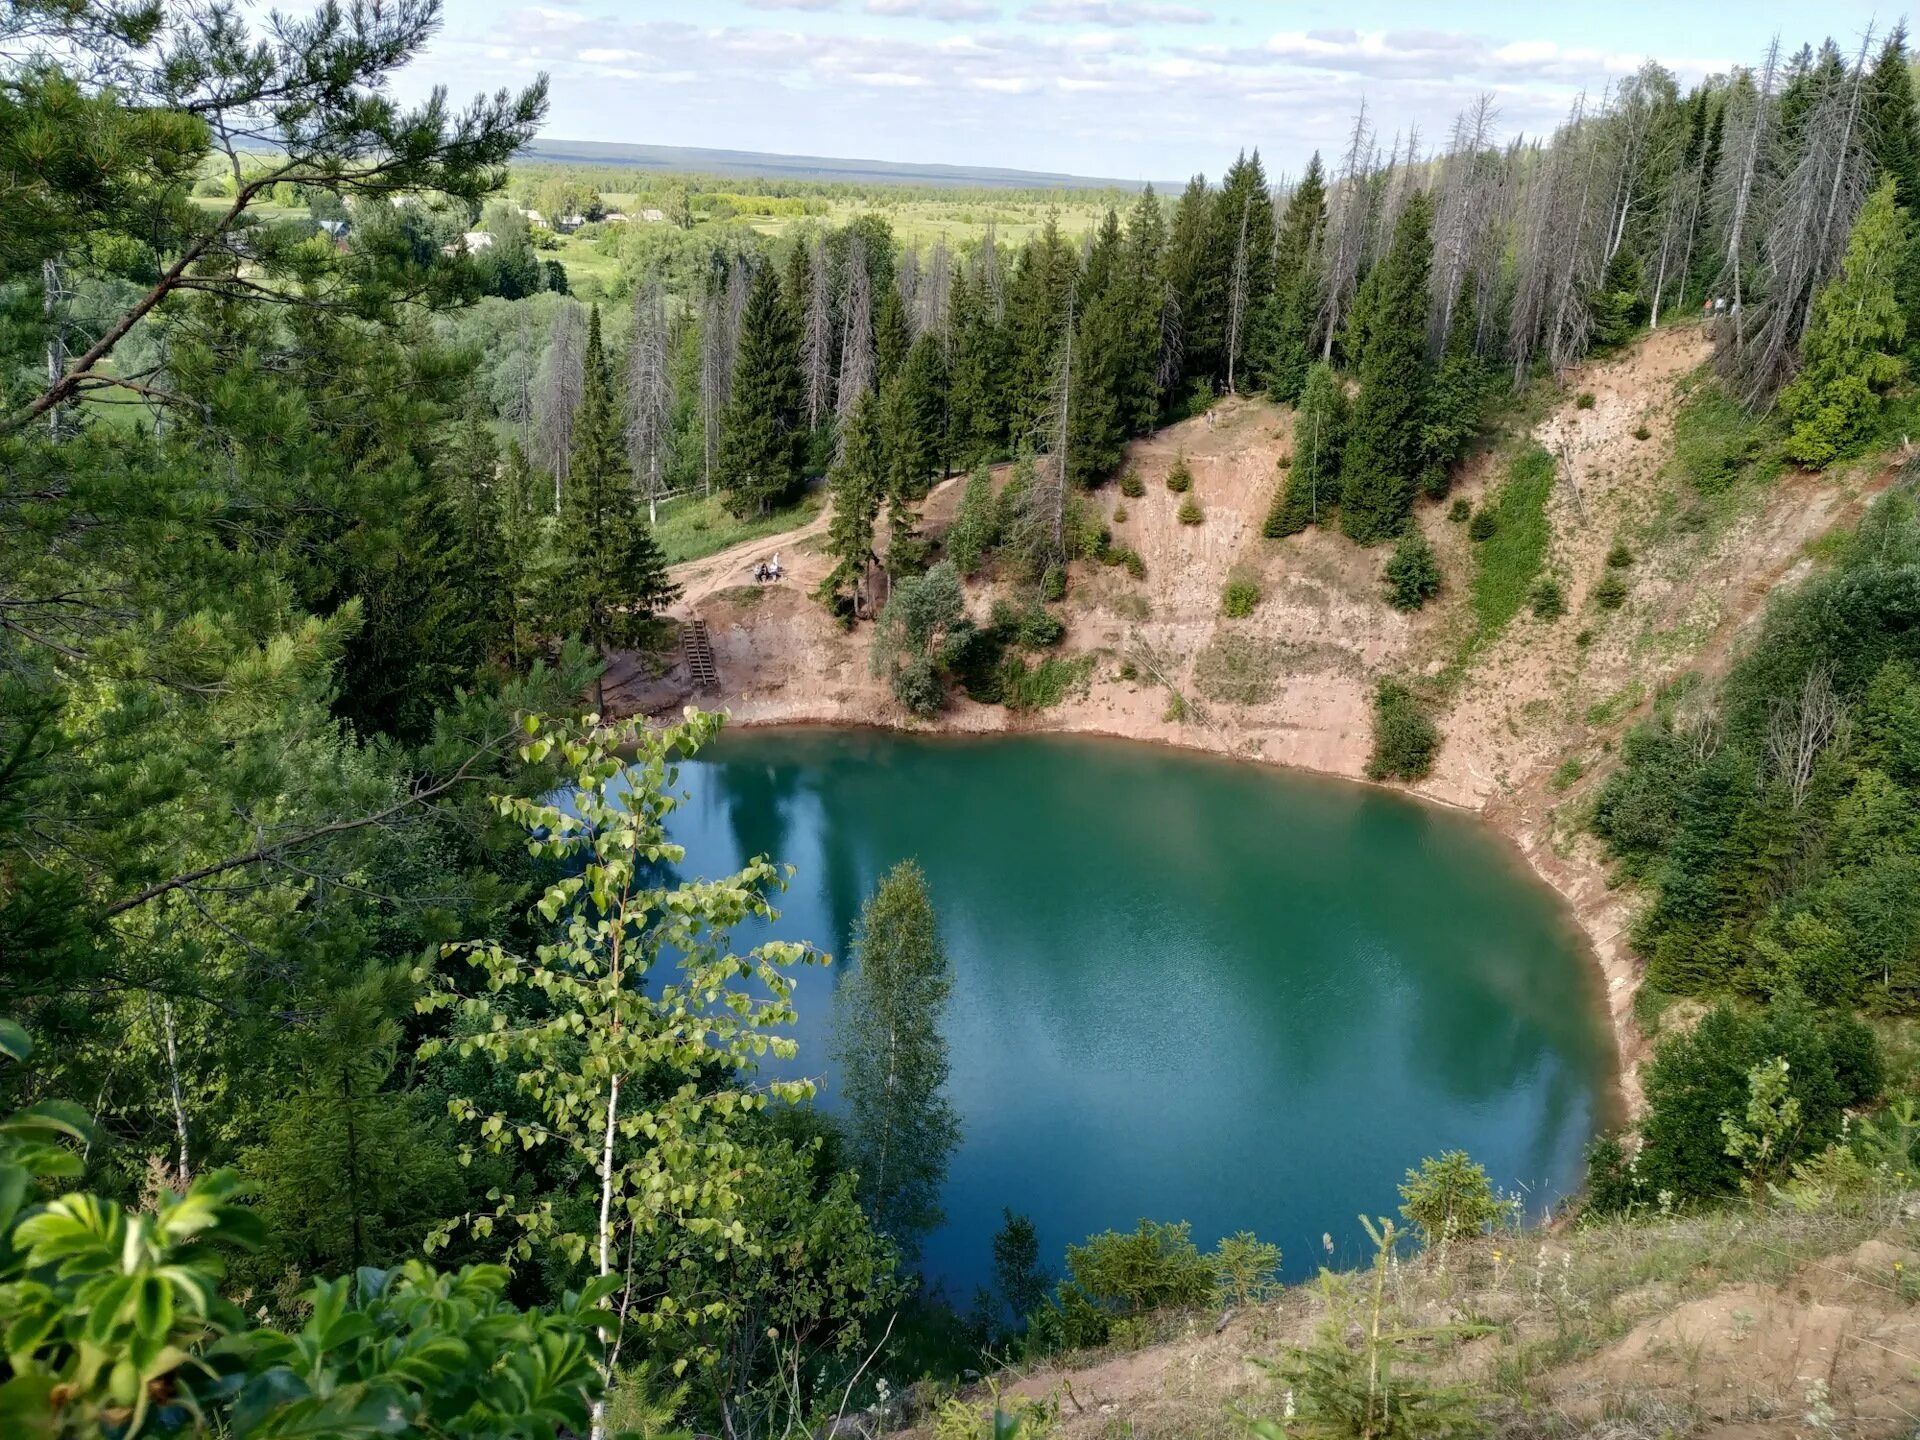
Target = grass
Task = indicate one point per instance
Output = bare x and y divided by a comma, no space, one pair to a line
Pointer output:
1239,669
1506,563
696,527
1025,687
1717,445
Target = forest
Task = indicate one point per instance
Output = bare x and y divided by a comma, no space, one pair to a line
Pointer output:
355,1085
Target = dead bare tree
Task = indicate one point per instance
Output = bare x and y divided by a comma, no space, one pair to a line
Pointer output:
906,280
562,381
716,370
1170,354
1347,230
857,362
1237,297
817,337
991,282
1801,728
1460,214
649,394
1749,125
1810,216
936,288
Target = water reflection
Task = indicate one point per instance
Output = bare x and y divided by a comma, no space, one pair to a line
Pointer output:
1184,989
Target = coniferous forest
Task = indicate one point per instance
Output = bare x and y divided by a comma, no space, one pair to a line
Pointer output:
356,1085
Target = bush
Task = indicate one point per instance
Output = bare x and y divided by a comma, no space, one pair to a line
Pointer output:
1584,400
916,684
1239,598
1412,573
1025,688
1136,567
1641,432
1483,526
1119,518
1404,737
1611,592
1449,1197
1153,1267
1547,599
1459,510
1190,512
1027,624
1244,1269
1053,582
1131,485
1697,1078
1180,478
1619,557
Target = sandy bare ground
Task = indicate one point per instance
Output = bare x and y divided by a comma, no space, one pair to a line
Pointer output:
1322,636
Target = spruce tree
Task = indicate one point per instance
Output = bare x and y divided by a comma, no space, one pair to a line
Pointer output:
613,577
892,337
975,526
1313,480
1196,281
855,485
901,1128
1381,462
1283,336
1851,351
1241,246
977,375
1455,404
763,428
1137,386
1036,321
1892,124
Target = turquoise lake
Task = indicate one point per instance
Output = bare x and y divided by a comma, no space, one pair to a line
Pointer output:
1183,988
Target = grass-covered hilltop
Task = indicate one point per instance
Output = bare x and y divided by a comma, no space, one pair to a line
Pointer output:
391,497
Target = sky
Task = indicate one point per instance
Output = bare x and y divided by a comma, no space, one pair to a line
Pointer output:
1129,89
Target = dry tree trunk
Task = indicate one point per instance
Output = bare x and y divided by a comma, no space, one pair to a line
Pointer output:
816,337
563,380
649,392
1348,228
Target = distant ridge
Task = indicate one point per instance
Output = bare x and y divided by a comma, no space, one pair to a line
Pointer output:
667,158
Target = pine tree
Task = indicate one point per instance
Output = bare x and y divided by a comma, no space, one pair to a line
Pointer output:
1381,462
1313,479
613,577
1851,351
1283,335
763,428
893,1061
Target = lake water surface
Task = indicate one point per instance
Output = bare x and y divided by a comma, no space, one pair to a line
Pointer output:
1183,988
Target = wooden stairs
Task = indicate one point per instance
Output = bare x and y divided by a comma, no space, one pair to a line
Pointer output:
698,649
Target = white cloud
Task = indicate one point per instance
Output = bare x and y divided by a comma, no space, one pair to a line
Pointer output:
950,12
1113,12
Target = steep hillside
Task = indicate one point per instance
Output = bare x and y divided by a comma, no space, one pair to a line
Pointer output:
1529,709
